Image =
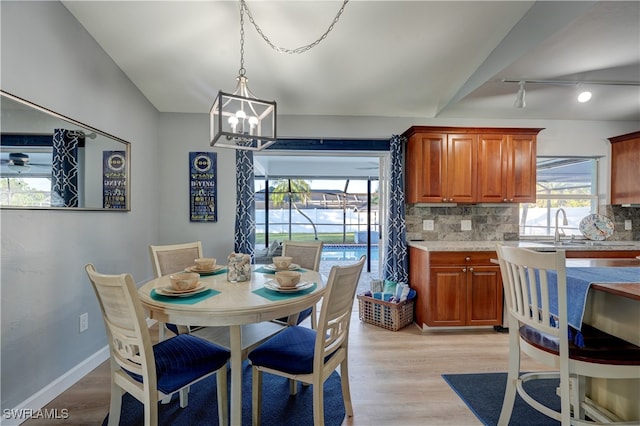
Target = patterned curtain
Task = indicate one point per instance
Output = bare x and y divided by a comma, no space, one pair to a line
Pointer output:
64,168
395,254
245,231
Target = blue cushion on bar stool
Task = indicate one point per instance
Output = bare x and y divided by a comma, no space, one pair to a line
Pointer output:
184,358
290,351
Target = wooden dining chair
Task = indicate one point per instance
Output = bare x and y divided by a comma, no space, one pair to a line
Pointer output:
544,336
310,356
169,259
307,254
151,372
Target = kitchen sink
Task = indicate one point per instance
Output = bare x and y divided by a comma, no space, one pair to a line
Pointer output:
582,243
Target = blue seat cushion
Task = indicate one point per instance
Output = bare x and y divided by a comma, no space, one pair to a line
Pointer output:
290,351
184,358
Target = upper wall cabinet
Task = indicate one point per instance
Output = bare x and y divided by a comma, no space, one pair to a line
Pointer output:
470,165
625,174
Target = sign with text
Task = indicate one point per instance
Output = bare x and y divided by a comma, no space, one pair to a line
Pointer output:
203,198
114,179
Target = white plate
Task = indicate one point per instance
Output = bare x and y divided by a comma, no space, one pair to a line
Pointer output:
596,227
168,291
204,271
273,285
292,267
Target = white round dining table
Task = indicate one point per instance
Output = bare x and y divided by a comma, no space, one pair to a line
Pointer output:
231,304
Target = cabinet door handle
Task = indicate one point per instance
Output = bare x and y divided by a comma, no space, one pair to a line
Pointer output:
470,269
464,269
504,200
467,259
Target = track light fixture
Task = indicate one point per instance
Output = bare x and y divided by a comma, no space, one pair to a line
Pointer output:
520,102
583,96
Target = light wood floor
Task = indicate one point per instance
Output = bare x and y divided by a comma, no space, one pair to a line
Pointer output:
395,377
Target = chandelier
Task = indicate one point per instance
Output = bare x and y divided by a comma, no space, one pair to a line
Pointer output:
240,120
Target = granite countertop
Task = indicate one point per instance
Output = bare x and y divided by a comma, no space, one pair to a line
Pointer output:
550,245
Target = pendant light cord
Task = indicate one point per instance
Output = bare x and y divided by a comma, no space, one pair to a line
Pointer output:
298,50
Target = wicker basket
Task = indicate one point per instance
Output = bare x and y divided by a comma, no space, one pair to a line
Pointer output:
392,316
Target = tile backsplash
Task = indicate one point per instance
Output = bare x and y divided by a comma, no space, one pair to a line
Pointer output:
496,222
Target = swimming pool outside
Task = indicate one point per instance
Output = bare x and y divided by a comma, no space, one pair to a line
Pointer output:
347,252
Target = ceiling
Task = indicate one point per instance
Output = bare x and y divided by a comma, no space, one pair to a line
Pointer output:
424,59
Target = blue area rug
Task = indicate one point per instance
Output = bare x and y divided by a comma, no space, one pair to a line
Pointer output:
278,407
483,394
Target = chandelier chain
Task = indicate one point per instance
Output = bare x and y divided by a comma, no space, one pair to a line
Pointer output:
297,50
242,71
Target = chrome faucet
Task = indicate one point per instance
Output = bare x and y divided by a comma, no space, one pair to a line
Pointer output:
564,223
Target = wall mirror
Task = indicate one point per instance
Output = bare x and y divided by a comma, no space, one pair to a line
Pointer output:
49,161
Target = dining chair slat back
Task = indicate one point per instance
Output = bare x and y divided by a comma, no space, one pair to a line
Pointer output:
531,280
308,355
151,372
307,254
169,259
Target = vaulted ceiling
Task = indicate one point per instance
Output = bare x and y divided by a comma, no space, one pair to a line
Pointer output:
383,58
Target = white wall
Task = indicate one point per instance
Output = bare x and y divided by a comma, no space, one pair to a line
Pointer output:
48,58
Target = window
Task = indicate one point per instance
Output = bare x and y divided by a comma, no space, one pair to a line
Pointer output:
331,210
25,177
569,183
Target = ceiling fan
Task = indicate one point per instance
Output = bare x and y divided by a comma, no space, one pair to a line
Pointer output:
18,162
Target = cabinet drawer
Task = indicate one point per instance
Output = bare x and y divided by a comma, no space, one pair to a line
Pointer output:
450,258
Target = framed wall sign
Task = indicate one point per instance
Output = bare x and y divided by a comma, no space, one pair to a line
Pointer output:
203,193
114,179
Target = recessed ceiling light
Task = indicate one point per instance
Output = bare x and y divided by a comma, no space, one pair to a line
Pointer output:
584,96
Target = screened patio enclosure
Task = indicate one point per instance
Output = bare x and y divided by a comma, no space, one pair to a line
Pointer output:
334,199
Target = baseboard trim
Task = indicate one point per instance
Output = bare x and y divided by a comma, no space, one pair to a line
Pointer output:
31,406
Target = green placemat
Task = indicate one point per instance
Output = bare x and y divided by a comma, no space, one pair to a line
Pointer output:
275,296
264,270
187,300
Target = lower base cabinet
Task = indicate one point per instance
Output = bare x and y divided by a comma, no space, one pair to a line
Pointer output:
456,289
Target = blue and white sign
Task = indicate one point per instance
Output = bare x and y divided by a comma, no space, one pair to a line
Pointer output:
203,198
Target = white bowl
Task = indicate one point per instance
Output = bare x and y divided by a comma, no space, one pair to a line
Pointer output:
205,263
288,278
184,281
282,262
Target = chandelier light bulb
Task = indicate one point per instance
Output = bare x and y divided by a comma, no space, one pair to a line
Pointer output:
233,122
241,114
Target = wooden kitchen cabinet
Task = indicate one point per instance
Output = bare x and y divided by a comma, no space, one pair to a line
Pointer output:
506,168
625,173
440,168
456,288
470,165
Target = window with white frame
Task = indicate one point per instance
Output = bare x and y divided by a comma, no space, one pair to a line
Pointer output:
567,183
